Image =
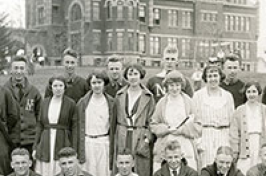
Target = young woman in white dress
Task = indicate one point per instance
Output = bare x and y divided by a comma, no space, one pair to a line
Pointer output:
214,108
56,128
247,130
173,119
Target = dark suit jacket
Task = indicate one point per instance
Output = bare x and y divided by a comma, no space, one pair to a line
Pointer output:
184,171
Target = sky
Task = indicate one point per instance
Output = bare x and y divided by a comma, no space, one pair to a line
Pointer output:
16,11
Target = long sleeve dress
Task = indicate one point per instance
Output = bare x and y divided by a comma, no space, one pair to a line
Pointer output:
215,113
178,113
247,134
55,130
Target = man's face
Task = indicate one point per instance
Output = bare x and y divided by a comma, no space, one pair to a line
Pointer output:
263,155
21,164
115,70
68,165
231,69
173,158
125,163
223,162
18,70
170,62
70,64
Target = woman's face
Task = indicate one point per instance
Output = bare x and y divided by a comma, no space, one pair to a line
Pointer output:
213,78
252,94
97,85
174,88
58,88
133,77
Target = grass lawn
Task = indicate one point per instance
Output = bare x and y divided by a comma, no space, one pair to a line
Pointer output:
40,78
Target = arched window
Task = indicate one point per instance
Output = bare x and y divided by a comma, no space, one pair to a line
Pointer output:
76,12
120,7
109,10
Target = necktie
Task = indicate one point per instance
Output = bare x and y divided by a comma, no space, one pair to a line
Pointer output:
174,173
20,91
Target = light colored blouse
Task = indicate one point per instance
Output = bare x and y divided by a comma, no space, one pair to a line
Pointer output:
254,119
214,111
97,117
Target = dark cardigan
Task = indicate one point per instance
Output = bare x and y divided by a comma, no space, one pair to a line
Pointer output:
66,129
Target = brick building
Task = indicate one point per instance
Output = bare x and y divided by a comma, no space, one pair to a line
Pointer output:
139,30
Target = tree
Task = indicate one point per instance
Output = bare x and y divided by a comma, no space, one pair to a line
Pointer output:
5,39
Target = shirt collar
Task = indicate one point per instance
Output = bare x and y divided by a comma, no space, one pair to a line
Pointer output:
119,82
177,170
70,79
15,83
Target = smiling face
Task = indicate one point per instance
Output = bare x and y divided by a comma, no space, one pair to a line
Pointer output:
223,162
213,78
174,88
252,94
18,70
70,64
173,158
21,164
133,77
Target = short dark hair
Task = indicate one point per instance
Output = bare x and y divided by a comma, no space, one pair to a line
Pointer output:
20,58
114,59
66,152
125,151
20,151
174,77
213,68
137,67
225,150
52,79
70,52
100,75
232,57
172,145
248,85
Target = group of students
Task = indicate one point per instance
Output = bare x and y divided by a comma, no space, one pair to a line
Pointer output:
110,113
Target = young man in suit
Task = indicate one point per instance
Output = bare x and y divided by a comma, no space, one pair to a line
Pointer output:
175,164
28,101
125,163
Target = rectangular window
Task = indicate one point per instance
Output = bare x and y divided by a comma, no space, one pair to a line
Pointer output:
186,19
142,43
173,42
156,16
97,41
226,23
185,47
130,41
172,18
55,14
142,13
130,11
96,11
41,15
120,38
247,24
110,41
155,46
120,11
231,23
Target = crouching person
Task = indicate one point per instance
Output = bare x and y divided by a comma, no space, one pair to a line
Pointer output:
175,164
21,163
68,163
223,164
